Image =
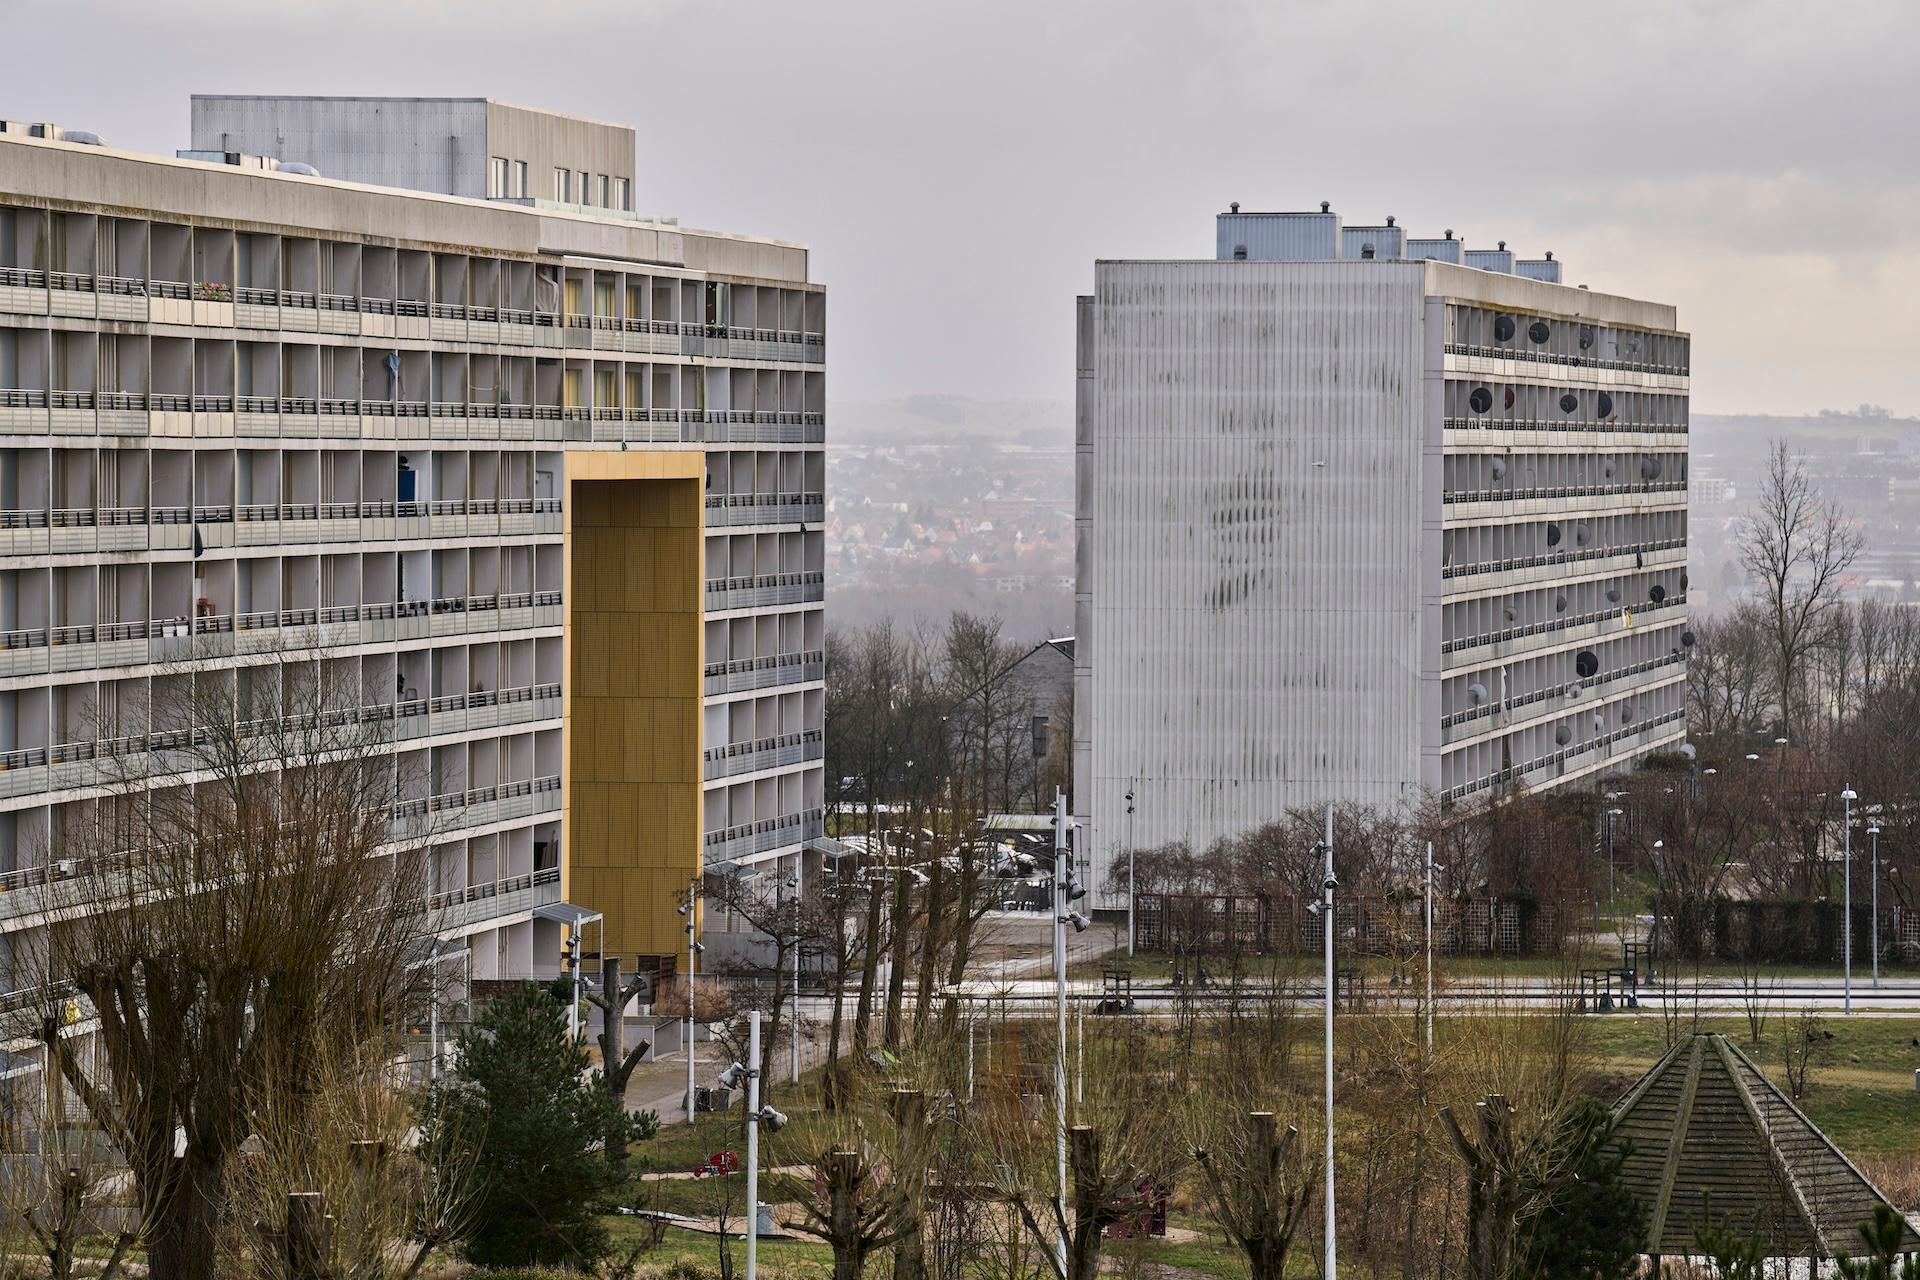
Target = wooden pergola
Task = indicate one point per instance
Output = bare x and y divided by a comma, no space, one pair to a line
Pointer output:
1710,1139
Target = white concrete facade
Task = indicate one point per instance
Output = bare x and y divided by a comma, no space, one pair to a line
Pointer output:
254,417
1369,530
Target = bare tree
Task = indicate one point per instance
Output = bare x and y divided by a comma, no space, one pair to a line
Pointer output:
249,917
1797,550
58,1184
617,1058
1729,674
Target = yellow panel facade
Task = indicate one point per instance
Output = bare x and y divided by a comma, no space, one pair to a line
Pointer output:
631,774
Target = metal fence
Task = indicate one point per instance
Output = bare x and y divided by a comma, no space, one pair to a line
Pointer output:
1180,924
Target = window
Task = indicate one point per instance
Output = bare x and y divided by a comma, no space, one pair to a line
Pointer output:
496,177
586,187
606,191
619,194
521,188
563,186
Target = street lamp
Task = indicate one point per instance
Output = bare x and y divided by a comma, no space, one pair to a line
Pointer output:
1613,899
1132,892
1847,798
757,1115
1874,831
690,911
1432,866
1324,909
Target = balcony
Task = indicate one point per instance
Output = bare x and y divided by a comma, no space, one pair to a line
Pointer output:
1593,560
732,843
1635,737
745,674
481,710
453,910
761,754
1526,355
733,510
476,807
1463,505
1536,636
764,591
1463,726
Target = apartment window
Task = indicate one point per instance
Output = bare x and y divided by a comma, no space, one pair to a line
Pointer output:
586,186
606,191
619,194
521,188
496,177
563,186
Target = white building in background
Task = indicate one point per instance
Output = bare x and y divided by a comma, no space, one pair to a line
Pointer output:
541,485
1355,522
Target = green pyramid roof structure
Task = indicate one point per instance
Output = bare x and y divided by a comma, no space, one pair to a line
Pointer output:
1706,1132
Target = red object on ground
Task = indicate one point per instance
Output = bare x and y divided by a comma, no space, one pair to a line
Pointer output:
720,1162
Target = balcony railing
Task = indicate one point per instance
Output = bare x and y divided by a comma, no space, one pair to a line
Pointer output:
1511,705
744,674
765,590
777,752
1564,491
1459,643
1560,557
1565,756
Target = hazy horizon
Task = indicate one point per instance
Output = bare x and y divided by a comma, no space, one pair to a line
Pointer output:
958,169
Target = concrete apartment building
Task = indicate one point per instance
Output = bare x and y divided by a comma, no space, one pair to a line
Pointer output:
545,484
1368,518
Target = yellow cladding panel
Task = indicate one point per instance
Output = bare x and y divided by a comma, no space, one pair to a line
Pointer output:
633,655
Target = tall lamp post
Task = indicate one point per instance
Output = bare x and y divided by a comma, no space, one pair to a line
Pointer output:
690,909
1847,798
1325,907
1613,898
1432,867
1132,893
1874,832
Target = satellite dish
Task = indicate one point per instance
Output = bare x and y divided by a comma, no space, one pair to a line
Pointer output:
1569,402
1509,397
1539,331
1476,694
1686,639
1606,470
1509,612
1656,593
1586,337
1553,535
1586,664
1559,604
1604,406
1582,535
1561,735
1481,400
1626,713
1499,468
1649,468
1613,595
1683,579
1599,722
1503,328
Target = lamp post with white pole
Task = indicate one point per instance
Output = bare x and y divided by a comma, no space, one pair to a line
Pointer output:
690,909
1327,886
1060,859
757,1115
1874,832
1847,798
1132,892
1432,866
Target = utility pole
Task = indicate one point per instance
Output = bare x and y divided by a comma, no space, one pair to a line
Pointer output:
1327,887
691,909
1133,892
1847,798
1429,948
1874,832
1060,907
753,1141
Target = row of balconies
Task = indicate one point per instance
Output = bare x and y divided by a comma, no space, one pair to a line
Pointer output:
725,510
44,650
1474,721
1564,360
777,752
765,590
1643,733
121,298
462,908
1562,491
110,761
730,844
743,675
1562,630
129,413
1560,427
63,531
1560,558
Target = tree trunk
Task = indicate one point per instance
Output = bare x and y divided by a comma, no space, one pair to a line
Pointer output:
181,1226
1090,1214
843,1215
897,968
869,969
909,1110
931,938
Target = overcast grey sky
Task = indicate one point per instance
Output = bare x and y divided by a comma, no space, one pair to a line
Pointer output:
957,167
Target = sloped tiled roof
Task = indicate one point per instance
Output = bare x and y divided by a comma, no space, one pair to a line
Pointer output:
1707,1132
